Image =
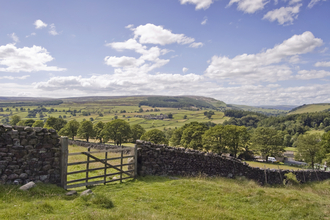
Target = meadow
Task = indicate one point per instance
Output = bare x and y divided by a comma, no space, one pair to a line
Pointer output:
154,197
109,111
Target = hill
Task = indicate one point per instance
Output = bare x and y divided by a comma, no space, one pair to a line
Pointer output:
318,107
259,109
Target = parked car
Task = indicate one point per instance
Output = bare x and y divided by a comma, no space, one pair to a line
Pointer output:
271,159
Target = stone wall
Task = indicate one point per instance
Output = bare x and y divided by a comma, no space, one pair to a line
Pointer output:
29,154
163,160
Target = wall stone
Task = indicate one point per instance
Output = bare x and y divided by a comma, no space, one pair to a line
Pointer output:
164,160
29,154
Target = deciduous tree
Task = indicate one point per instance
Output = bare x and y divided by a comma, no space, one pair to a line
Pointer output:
85,130
155,136
70,129
137,131
118,130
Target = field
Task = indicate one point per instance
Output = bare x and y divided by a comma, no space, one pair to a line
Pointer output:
165,198
271,166
109,109
311,108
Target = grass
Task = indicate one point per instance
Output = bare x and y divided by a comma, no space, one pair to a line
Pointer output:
311,108
154,197
163,198
271,165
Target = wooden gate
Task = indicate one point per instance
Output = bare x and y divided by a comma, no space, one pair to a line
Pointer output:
111,162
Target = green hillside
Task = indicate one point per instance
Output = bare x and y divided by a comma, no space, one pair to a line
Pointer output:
310,108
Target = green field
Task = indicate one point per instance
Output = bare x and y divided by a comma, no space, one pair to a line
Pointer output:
311,108
271,165
165,198
111,108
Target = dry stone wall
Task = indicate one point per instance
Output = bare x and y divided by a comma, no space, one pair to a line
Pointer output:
29,154
164,160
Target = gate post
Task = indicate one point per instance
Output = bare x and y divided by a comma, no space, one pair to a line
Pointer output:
135,161
64,161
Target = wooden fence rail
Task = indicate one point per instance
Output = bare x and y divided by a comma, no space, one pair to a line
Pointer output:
105,162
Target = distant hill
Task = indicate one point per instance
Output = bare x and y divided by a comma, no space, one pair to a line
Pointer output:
258,109
310,108
180,102
279,107
28,101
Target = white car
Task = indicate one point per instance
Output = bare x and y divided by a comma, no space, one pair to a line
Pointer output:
271,159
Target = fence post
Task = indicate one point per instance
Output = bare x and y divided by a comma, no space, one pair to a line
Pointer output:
135,161
64,161
87,165
121,165
105,166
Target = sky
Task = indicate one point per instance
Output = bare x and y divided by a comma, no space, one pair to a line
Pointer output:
251,52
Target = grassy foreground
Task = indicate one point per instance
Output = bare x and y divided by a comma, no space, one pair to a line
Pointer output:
164,198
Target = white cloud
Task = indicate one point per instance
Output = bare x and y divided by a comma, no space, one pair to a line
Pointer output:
32,34
196,45
123,61
249,6
26,59
200,4
152,34
204,21
176,84
313,2
52,30
40,24
14,37
312,74
322,64
283,15
264,66
292,2
184,69
14,77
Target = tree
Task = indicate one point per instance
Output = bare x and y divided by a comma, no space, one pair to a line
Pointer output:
236,138
209,114
155,136
38,123
137,132
118,130
267,141
29,122
192,136
14,119
170,115
70,129
214,139
55,123
309,148
85,130
98,127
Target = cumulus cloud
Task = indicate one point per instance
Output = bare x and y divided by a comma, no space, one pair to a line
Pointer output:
184,69
26,59
200,4
312,74
123,61
52,30
249,6
322,64
313,2
14,77
40,24
283,15
176,84
196,45
153,34
14,37
264,66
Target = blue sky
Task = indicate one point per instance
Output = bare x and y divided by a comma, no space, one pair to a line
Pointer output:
253,52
